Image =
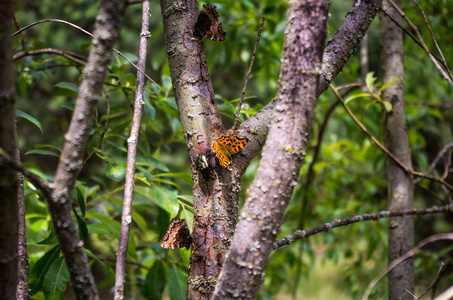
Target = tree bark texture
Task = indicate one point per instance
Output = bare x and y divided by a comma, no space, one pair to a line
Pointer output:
107,28
283,152
8,176
23,268
400,185
126,216
216,198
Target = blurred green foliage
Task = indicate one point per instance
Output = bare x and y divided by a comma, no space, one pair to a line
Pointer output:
349,175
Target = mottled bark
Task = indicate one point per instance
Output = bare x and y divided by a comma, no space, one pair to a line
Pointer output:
337,53
215,200
8,176
346,40
283,152
216,197
107,27
400,185
23,268
126,216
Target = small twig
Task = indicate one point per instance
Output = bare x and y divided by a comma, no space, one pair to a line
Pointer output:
86,32
436,161
22,37
238,112
380,146
301,234
436,278
409,292
434,39
35,179
126,217
67,54
420,42
410,253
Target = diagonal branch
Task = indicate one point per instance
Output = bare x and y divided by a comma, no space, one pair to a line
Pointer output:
338,51
391,266
84,31
35,179
385,150
252,60
303,234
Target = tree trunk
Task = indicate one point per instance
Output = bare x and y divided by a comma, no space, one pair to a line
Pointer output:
400,185
107,28
8,176
283,153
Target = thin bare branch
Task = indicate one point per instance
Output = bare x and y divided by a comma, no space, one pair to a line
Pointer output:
410,253
436,160
22,37
385,150
435,60
434,39
67,54
126,217
252,60
86,32
436,278
302,234
35,179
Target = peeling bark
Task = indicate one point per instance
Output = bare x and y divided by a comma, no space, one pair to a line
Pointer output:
107,27
8,176
215,200
400,185
283,152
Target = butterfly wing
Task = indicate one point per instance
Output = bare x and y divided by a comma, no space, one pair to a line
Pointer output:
208,24
221,149
237,144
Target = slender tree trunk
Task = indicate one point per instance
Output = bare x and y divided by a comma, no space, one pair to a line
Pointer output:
23,268
107,28
8,176
400,185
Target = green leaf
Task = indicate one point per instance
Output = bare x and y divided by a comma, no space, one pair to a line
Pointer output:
356,96
184,176
68,86
164,198
31,119
116,172
83,230
50,240
56,280
155,282
150,161
387,84
107,117
39,270
42,152
177,284
369,80
388,106
149,108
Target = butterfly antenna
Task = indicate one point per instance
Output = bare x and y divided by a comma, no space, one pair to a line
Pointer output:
238,112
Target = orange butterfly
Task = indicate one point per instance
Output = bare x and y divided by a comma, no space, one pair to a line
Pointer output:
227,145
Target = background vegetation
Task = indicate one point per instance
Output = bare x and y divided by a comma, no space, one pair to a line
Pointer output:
349,174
